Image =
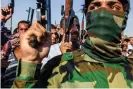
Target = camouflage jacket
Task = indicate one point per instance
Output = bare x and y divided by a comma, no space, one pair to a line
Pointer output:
76,70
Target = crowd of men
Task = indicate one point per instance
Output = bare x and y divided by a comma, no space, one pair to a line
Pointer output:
10,44
95,54
126,45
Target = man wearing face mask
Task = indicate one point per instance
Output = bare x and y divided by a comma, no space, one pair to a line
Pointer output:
98,64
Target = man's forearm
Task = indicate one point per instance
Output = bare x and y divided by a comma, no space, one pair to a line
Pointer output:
27,75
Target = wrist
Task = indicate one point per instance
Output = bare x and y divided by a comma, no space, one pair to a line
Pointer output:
61,50
28,71
34,61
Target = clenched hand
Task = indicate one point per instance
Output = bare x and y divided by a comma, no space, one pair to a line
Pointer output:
35,55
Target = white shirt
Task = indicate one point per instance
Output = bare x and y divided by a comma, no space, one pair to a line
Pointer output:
54,51
130,47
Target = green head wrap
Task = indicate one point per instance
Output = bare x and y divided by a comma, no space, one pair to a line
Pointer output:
126,6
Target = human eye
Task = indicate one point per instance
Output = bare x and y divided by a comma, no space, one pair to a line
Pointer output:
115,7
94,6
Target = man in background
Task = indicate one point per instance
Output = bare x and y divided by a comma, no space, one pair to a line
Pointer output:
54,35
130,46
12,55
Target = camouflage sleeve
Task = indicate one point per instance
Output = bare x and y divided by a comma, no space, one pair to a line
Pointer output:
27,75
57,76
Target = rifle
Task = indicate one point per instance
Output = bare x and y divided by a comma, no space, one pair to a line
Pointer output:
12,6
68,15
30,15
83,31
43,7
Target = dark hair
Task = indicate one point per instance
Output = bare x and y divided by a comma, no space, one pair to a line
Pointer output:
57,35
26,22
62,22
130,38
127,40
126,5
53,26
72,20
15,31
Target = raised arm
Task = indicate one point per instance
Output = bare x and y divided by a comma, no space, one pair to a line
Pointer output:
29,66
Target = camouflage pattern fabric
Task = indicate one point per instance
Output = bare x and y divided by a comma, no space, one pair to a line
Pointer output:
103,41
130,57
98,64
80,72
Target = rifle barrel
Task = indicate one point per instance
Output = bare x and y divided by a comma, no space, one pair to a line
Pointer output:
38,12
28,14
32,14
48,6
12,5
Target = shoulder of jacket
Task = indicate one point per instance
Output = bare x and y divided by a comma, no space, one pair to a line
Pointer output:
71,55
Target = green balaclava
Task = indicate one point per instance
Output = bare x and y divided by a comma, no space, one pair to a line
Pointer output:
104,30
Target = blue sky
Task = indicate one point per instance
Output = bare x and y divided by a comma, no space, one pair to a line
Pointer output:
22,5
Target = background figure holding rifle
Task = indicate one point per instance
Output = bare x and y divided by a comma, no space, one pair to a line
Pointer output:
6,14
